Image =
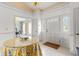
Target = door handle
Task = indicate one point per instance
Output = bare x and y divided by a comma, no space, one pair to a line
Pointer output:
77,33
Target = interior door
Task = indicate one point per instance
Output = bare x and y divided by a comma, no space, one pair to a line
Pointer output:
53,30
77,26
76,23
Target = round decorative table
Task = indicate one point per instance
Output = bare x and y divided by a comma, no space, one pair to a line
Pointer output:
17,47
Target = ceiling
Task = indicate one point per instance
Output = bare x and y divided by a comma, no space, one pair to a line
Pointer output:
42,5
28,6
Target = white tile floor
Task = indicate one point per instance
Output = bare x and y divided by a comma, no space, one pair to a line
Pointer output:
48,51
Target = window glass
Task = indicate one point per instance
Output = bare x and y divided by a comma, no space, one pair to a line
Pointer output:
65,23
39,26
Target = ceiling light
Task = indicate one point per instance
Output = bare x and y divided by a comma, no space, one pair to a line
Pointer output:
35,3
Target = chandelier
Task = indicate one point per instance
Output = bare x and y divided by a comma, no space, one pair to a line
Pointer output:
35,3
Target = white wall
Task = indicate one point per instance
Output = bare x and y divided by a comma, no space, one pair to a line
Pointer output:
7,20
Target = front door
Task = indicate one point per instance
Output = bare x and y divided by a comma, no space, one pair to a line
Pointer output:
52,30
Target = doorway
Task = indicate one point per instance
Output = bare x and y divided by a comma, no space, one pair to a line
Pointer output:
23,26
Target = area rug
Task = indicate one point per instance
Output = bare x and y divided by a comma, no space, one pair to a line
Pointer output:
52,45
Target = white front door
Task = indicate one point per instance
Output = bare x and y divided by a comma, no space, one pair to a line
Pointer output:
52,30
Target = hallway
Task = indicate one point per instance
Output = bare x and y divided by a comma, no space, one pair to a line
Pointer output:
26,24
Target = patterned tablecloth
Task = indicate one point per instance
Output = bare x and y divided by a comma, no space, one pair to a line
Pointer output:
28,50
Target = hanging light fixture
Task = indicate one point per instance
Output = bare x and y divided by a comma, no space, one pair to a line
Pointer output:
35,3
